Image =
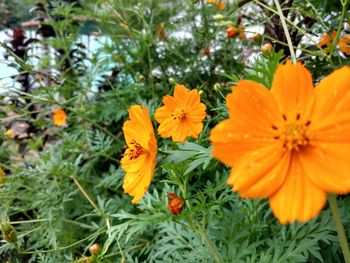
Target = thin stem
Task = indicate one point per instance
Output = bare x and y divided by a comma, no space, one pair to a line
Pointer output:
86,195
335,40
286,32
332,200
210,246
60,248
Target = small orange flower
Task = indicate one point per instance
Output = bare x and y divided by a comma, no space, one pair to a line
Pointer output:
326,40
10,133
182,115
344,44
218,4
59,117
176,204
140,155
290,144
205,52
232,32
256,37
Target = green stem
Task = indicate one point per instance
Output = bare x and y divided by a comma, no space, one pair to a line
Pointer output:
286,32
210,246
332,200
335,40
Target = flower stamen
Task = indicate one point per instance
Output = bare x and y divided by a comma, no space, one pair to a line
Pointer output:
133,150
178,114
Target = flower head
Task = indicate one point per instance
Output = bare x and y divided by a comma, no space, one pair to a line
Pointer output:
326,41
176,204
59,117
290,144
218,4
182,115
344,44
232,32
10,133
140,154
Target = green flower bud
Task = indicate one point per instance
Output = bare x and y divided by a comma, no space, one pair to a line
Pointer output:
8,232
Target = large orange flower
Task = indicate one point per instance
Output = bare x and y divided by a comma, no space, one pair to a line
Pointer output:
182,115
140,154
290,144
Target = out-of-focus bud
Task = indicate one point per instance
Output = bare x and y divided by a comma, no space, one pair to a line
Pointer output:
256,38
141,77
123,25
217,86
8,232
10,133
218,17
94,249
194,1
232,32
171,80
123,259
176,204
205,52
266,48
2,175
200,92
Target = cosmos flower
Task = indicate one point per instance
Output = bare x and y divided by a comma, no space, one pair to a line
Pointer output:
344,44
59,117
326,41
140,155
182,114
290,144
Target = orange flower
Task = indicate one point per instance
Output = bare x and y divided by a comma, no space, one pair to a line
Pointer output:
344,44
140,155
182,115
205,52
176,204
59,117
290,144
327,39
232,32
218,4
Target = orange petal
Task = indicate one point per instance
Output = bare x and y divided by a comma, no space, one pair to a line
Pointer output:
253,106
180,94
328,166
137,183
232,141
293,89
260,173
332,102
298,199
162,114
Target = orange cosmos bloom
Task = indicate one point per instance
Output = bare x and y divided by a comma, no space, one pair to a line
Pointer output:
59,117
182,115
290,144
232,32
140,155
327,39
344,44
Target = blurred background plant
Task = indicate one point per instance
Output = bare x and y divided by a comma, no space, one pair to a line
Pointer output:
60,186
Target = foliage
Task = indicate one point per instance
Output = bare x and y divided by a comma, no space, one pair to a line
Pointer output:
63,185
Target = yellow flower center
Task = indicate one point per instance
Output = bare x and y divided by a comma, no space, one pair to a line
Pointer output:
133,150
293,133
178,114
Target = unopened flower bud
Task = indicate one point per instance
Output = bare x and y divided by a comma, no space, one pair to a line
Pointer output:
256,37
171,80
194,1
200,92
2,174
217,86
218,17
176,204
266,48
232,32
9,133
8,232
94,249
